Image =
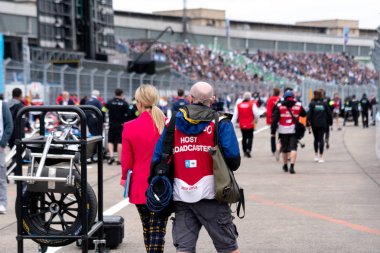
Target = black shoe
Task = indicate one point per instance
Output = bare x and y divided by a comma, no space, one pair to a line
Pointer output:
285,168
249,155
118,163
111,160
245,154
292,171
327,145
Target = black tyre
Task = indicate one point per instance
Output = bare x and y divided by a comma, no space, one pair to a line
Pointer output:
49,213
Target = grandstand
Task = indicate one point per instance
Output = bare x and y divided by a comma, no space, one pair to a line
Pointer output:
208,27
249,53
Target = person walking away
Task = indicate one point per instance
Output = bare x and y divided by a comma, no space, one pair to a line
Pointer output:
355,109
118,112
319,118
180,101
193,188
248,114
372,105
138,141
364,105
326,100
257,99
272,101
283,121
6,130
347,109
92,120
15,104
336,109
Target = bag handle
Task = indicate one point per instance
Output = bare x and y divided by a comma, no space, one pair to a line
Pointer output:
216,126
167,146
241,204
168,143
295,120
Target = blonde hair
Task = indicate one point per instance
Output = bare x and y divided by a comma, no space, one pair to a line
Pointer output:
148,96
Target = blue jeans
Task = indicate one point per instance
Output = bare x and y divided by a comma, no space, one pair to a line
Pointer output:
3,179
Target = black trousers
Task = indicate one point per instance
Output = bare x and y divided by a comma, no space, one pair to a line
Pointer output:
273,143
355,115
247,139
319,142
365,118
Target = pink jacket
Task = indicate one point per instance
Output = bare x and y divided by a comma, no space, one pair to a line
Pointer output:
138,141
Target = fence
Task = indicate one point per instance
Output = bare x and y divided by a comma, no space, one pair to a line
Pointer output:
50,80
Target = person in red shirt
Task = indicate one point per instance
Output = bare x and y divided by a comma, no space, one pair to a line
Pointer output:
272,101
59,99
248,115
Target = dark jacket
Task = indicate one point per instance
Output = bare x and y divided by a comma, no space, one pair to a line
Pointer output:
14,106
7,125
319,114
355,104
364,103
118,111
179,103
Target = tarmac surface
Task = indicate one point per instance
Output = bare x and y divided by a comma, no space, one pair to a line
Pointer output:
328,207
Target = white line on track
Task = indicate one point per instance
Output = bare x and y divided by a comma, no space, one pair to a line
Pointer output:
257,131
110,211
125,202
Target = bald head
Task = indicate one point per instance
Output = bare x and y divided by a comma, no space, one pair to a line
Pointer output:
202,92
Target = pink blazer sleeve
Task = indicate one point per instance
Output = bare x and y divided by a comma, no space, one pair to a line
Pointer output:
126,156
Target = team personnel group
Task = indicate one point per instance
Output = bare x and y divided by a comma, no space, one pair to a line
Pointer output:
140,133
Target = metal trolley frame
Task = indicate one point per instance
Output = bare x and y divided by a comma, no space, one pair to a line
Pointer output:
86,232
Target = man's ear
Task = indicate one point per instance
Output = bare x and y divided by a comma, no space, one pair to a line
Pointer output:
190,99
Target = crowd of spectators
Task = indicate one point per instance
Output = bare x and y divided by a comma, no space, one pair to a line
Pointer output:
201,62
335,68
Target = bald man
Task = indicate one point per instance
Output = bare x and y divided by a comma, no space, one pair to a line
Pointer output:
193,185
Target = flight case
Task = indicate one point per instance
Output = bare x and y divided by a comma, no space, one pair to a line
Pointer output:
114,231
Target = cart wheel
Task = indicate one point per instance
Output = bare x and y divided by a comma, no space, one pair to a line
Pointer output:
50,213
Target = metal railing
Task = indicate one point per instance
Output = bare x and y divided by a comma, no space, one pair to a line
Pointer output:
50,80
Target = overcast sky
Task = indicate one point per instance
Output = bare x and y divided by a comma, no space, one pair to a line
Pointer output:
270,11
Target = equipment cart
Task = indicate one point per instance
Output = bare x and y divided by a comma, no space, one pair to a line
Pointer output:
55,205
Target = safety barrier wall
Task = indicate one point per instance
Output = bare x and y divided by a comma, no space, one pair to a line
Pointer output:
378,134
49,80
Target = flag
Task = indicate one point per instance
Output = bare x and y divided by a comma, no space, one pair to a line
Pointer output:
227,27
346,32
310,94
1,62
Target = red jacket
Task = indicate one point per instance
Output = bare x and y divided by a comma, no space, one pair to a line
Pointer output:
270,104
193,172
138,141
286,124
246,117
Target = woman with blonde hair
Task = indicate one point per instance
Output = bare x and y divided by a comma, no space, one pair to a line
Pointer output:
138,141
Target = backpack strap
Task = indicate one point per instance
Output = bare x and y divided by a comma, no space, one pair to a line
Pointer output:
168,143
216,125
163,167
294,118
